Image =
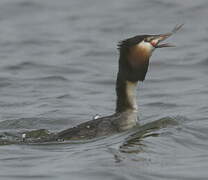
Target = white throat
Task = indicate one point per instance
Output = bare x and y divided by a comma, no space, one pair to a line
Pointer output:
128,118
146,46
131,94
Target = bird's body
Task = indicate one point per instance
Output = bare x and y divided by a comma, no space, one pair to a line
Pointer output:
99,127
133,65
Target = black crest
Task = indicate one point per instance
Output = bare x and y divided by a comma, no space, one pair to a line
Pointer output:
127,43
130,72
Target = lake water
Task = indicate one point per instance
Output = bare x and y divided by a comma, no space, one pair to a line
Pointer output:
58,65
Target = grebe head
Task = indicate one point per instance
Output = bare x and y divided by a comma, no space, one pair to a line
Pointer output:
136,51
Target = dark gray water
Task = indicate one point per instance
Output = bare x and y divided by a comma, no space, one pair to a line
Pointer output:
58,64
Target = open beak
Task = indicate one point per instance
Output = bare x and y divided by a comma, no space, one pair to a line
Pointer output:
161,37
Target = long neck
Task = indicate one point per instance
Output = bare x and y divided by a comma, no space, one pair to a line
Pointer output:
126,95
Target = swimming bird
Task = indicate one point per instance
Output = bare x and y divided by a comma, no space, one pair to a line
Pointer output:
135,53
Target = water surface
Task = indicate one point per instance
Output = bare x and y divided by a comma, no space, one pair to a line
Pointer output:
58,68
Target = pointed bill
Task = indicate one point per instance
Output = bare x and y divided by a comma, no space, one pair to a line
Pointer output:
161,37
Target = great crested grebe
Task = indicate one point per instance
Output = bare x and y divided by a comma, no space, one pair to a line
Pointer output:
133,65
